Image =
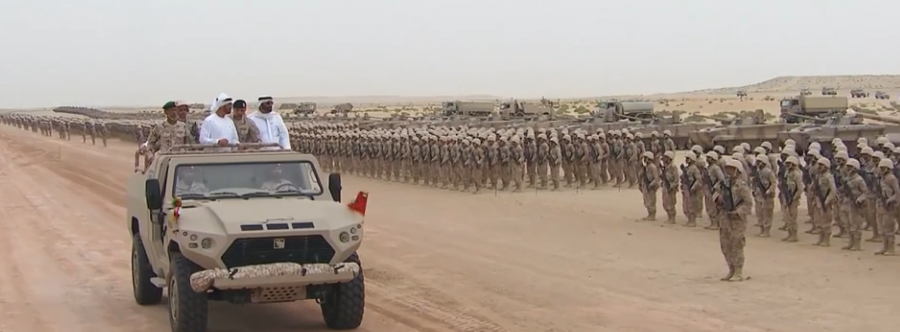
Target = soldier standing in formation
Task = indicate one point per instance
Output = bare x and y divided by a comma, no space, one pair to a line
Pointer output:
735,203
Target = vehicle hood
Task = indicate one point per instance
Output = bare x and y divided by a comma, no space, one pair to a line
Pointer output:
227,215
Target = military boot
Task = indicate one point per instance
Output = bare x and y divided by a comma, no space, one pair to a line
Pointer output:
876,237
738,273
849,243
889,246
821,239
840,233
884,247
813,230
730,273
783,228
766,231
761,231
826,240
670,220
792,236
692,222
857,242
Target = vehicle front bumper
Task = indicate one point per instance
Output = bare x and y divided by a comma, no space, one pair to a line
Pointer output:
275,274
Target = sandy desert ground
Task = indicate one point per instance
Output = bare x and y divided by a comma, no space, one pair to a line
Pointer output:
434,260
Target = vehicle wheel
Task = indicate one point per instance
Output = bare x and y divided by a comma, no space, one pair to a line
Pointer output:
145,292
188,309
344,304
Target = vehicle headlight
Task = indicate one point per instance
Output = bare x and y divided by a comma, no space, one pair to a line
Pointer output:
345,237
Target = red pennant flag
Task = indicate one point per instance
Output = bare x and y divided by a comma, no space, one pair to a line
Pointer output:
358,205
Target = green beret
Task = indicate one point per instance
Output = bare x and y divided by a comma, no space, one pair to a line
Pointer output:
169,105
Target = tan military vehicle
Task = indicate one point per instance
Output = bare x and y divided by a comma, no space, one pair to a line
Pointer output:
244,226
882,95
467,108
805,92
342,109
827,91
741,94
306,108
858,93
820,107
612,111
514,107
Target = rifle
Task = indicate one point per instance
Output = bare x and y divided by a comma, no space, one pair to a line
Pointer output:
728,204
707,180
821,195
686,184
757,182
665,180
848,193
807,178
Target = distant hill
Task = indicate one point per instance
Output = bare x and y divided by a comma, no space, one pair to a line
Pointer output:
795,83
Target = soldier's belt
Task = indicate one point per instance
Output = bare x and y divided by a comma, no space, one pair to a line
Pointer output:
271,274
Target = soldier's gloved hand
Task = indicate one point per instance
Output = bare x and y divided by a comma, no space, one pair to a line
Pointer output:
860,200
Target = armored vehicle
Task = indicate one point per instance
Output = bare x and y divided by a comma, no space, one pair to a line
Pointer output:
467,108
826,91
514,107
882,95
805,92
306,108
244,225
741,94
812,106
846,127
858,93
342,109
750,127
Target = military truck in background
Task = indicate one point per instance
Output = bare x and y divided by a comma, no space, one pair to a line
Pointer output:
467,108
858,93
741,94
810,106
514,107
882,95
306,108
826,91
805,92
342,109
612,111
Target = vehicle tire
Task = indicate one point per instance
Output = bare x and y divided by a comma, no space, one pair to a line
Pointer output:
345,303
188,310
145,292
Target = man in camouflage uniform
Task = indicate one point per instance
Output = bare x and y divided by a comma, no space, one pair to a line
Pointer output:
542,159
246,130
648,184
888,197
167,133
554,159
530,151
670,185
517,162
713,177
825,192
692,190
794,189
765,194
854,203
735,202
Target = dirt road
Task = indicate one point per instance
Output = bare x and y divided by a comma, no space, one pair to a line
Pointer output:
434,260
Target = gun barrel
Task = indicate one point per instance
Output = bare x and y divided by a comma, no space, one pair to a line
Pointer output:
875,117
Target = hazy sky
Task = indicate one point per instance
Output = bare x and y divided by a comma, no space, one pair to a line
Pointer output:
127,52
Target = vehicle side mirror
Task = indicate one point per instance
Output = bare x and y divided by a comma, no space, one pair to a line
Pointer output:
334,186
153,193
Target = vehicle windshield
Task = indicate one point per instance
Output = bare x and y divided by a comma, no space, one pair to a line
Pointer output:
244,180
786,103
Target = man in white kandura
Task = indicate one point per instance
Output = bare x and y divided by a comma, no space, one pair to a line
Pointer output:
270,124
218,128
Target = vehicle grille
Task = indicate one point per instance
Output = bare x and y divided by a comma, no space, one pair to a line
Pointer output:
304,249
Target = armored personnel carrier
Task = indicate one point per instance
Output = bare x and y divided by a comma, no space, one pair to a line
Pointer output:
828,91
882,95
243,224
858,93
805,92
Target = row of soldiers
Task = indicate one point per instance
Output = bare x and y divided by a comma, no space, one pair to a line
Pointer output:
852,193
465,159
63,128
